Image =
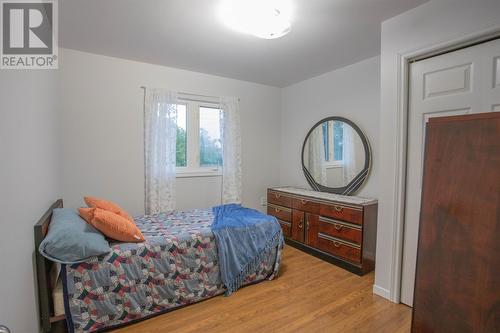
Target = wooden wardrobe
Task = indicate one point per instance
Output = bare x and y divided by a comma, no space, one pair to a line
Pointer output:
457,285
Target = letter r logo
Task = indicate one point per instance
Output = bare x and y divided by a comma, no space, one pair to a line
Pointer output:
27,28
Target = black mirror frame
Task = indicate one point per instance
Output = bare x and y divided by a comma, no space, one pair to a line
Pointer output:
357,181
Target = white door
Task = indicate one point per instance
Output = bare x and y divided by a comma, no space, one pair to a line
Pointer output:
455,83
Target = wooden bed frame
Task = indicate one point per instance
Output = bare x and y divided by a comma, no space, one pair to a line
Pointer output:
43,267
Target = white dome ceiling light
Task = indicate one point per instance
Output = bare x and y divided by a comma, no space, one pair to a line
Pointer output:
267,19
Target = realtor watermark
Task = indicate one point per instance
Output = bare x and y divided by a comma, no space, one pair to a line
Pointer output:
28,35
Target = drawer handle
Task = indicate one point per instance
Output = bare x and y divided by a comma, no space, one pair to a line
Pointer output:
337,227
277,210
302,201
338,208
336,244
300,225
277,195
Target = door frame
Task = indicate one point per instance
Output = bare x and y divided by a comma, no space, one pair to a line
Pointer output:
404,60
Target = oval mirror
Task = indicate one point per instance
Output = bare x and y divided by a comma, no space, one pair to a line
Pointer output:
336,156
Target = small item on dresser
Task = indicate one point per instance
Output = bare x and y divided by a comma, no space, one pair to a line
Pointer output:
112,225
337,228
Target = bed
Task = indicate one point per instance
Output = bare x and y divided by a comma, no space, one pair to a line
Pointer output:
176,266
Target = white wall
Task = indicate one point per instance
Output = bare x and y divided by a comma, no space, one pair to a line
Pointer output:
102,122
29,175
433,23
352,92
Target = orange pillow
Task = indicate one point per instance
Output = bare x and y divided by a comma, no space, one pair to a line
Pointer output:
93,202
112,225
87,214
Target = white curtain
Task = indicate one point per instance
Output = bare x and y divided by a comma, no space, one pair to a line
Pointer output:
231,147
160,135
350,169
316,158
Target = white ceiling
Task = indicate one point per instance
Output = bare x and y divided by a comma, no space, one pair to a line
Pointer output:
326,34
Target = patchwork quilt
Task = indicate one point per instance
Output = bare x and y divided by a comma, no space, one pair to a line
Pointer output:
176,266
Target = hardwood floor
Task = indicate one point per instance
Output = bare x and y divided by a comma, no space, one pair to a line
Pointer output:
309,295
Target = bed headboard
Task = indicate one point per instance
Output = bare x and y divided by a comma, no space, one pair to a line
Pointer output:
43,267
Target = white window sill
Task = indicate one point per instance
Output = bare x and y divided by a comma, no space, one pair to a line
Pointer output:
201,172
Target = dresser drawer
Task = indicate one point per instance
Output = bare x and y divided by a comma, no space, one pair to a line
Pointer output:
342,213
349,232
281,213
339,248
286,227
279,199
305,205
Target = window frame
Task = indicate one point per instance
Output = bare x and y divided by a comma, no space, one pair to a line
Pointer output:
193,168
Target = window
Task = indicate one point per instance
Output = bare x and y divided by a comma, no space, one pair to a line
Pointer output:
199,145
210,141
333,136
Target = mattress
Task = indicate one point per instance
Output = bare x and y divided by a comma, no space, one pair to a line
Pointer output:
177,265
57,289
58,298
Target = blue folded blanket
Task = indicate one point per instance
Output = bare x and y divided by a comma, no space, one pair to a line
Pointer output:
243,236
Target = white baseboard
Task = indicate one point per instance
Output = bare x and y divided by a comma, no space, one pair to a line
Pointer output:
377,290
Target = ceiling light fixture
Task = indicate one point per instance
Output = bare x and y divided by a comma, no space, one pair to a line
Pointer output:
267,19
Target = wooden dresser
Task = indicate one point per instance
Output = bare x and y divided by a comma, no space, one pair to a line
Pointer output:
339,229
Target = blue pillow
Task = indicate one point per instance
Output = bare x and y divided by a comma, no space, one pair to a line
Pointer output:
70,239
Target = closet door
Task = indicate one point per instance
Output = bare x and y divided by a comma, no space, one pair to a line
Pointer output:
460,82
